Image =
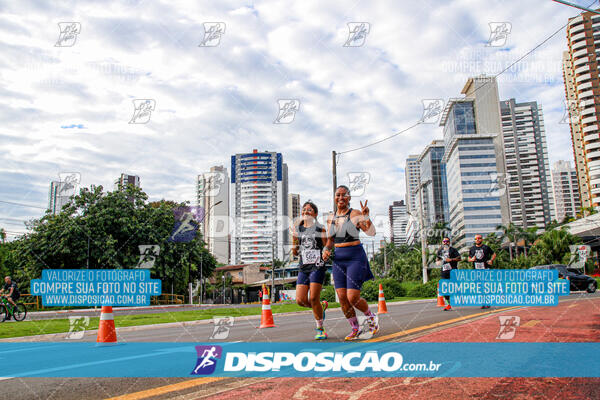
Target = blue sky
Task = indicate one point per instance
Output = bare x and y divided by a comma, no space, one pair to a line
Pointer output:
68,108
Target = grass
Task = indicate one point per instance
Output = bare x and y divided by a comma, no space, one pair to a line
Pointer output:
41,327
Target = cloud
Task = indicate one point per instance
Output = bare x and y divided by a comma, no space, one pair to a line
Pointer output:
212,102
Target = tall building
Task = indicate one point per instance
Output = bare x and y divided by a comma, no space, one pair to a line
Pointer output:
432,177
213,197
582,87
56,197
527,179
474,159
567,201
411,174
398,222
259,197
125,180
294,205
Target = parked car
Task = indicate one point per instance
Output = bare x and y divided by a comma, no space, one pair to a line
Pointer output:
578,280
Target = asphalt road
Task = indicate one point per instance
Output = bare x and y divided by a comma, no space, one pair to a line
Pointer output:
290,327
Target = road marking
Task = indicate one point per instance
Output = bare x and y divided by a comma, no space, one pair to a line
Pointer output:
436,325
531,323
166,389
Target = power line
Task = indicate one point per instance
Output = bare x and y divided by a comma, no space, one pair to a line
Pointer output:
495,76
22,204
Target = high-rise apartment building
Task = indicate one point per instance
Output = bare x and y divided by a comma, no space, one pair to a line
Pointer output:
474,159
582,87
527,181
294,205
432,177
56,197
126,179
567,201
398,222
213,197
411,174
259,205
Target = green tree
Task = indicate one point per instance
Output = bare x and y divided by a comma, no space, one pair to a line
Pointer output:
553,247
104,230
510,233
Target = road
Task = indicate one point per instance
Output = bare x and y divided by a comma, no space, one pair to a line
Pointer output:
403,318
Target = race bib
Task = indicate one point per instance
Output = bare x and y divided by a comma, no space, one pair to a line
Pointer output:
311,256
479,265
446,267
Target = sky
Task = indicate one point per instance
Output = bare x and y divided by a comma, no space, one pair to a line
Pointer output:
67,102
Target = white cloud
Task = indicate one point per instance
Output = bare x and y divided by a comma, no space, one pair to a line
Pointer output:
213,102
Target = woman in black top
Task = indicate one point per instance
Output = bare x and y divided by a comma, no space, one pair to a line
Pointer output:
350,264
309,237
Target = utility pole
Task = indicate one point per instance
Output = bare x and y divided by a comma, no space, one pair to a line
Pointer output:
422,233
384,257
334,170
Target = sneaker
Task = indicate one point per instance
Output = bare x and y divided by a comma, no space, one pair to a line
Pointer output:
325,305
373,322
447,308
321,334
482,307
353,335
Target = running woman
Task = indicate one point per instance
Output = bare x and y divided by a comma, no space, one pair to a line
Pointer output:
309,237
482,256
449,258
350,264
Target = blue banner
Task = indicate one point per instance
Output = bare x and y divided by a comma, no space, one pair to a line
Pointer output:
95,287
301,359
504,287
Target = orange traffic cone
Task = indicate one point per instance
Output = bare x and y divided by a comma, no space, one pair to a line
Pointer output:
440,300
266,319
381,307
106,330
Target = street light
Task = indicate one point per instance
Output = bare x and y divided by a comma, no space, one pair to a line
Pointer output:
223,288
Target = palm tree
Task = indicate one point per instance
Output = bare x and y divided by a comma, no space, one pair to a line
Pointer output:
553,245
586,212
511,233
529,236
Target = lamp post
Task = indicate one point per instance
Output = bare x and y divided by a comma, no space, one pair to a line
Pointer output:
223,276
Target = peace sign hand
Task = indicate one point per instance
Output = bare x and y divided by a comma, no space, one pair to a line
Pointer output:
364,209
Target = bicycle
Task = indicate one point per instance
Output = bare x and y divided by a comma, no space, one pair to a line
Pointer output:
18,312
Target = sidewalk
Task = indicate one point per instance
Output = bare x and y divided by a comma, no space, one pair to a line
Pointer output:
570,321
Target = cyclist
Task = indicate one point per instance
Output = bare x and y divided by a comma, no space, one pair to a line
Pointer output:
12,291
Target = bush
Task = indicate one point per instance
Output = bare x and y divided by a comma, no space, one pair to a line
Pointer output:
328,293
391,288
428,289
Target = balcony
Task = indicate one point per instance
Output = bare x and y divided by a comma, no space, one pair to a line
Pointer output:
580,53
578,45
582,60
590,128
589,120
584,77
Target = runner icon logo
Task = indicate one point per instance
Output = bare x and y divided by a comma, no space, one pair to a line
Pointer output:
207,359
222,327
508,327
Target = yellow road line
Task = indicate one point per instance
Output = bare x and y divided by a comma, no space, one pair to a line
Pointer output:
166,389
531,323
436,325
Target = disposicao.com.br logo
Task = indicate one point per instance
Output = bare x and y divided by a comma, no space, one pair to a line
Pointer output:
305,362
